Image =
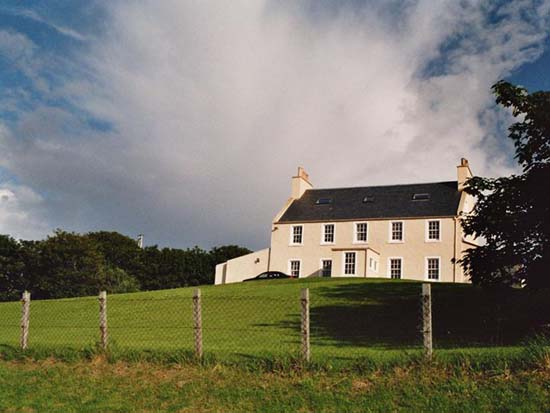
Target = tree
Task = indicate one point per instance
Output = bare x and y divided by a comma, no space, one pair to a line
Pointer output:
198,266
512,214
119,251
118,281
11,268
68,265
172,268
227,252
149,277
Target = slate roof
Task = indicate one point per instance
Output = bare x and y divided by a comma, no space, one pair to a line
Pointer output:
393,201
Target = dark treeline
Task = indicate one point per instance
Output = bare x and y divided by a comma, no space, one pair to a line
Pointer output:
67,264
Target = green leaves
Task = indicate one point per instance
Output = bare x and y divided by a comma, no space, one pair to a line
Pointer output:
11,267
531,134
68,264
512,214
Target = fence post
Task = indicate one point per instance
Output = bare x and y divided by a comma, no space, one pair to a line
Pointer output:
25,314
427,319
103,319
306,350
197,317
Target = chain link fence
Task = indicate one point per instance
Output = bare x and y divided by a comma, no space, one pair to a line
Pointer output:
325,323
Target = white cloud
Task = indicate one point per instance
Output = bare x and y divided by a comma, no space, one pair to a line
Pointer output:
18,213
23,57
66,31
18,49
33,15
214,104
20,206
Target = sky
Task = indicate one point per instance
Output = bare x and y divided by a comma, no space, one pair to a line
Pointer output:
185,120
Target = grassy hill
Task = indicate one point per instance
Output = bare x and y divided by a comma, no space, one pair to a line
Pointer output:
349,318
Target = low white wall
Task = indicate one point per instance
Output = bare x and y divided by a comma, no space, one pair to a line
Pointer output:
220,273
241,268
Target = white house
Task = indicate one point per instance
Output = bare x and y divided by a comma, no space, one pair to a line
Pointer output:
407,231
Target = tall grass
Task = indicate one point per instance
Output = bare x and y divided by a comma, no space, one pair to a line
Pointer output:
534,354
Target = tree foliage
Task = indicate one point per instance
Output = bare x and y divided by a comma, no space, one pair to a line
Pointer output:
227,252
118,250
67,264
11,267
512,214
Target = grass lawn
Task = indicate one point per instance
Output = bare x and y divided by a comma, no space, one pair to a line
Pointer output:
97,386
350,318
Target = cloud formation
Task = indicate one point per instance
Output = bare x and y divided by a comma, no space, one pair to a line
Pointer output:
20,212
208,107
33,15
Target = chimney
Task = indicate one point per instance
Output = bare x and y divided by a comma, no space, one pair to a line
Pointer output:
300,183
463,173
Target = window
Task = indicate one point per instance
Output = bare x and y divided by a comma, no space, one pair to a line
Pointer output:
373,264
349,263
395,268
396,231
295,268
361,229
323,201
328,234
421,197
432,268
326,268
433,230
296,235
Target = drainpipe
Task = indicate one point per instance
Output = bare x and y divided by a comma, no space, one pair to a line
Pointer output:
455,251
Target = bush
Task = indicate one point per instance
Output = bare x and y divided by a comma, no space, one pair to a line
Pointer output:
118,281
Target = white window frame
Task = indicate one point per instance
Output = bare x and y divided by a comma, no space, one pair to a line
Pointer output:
323,226
426,277
344,263
388,272
390,232
355,240
290,267
291,240
373,264
427,231
321,266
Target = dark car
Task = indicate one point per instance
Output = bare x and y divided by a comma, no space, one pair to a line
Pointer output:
269,275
